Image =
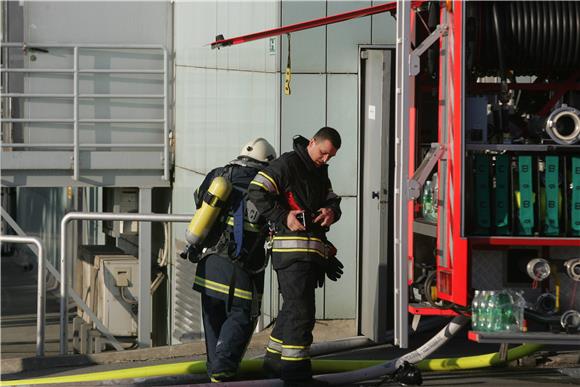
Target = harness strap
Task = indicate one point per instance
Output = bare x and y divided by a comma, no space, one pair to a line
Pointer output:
239,226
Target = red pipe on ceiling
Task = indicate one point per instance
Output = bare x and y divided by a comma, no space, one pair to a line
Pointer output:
221,42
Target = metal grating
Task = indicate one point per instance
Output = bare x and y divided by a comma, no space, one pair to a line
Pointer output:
186,306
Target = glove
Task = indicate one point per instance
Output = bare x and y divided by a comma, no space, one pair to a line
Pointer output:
321,274
334,268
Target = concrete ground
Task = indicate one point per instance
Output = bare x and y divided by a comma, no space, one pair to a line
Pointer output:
553,366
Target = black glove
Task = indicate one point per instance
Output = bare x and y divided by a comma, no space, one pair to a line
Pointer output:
320,275
334,268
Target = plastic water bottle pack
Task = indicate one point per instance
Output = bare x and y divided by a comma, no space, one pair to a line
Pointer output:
497,311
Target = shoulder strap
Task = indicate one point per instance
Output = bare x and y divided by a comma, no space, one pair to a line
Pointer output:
239,212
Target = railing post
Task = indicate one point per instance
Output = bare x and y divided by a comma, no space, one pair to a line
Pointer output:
41,296
76,151
165,118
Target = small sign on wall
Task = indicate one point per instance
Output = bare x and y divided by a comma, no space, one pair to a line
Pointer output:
372,110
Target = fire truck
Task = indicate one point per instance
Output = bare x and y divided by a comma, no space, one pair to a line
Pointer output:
478,182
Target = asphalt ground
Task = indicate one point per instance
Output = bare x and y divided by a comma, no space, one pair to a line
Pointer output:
552,366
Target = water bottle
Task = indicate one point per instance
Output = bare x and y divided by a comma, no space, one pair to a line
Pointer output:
476,310
493,312
435,201
427,201
482,315
505,320
519,306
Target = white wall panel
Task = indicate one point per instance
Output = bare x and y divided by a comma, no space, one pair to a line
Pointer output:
195,116
343,38
304,111
195,27
342,115
114,22
384,27
247,109
308,46
217,111
236,18
341,296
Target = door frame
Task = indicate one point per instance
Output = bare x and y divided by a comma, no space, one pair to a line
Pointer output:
390,176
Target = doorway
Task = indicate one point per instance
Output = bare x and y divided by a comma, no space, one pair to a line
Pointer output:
377,119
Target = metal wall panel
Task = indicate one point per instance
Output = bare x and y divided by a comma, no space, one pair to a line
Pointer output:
195,27
342,115
308,47
217,111
343,38
220,105
384,27
340,298
195,117
241,17
101,22
304,111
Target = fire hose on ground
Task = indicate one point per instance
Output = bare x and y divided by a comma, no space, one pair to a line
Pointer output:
337,371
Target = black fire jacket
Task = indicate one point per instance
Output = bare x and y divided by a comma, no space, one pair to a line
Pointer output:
294,182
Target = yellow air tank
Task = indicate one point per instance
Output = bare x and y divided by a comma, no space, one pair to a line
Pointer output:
204,218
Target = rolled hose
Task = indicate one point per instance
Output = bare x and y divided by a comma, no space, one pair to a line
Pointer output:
255,366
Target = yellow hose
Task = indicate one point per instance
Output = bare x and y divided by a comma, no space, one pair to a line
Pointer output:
255,366
480,361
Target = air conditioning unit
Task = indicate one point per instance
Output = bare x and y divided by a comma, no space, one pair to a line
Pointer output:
117,291
108,281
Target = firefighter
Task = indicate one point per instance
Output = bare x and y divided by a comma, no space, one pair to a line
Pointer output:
295,194
229,273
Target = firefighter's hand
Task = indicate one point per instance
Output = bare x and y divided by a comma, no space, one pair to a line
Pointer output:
334,268
293,223
325,217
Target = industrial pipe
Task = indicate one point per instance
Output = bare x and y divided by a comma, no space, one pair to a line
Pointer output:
64,266
563,125
41,296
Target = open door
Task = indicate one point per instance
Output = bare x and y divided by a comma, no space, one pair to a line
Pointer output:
375,208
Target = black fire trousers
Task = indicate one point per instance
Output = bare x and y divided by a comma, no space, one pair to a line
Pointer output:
288,351
227,334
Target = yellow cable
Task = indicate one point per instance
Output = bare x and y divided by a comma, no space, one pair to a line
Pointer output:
255,366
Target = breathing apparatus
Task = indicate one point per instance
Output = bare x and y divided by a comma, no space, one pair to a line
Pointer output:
216,198
213,201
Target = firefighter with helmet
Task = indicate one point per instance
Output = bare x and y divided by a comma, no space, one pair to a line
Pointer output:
295,194
230,259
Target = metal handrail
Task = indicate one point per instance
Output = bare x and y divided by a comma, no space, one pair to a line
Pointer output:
41,298
64,267
75,96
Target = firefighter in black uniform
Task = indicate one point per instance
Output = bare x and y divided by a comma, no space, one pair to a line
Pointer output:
229,274
295,194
